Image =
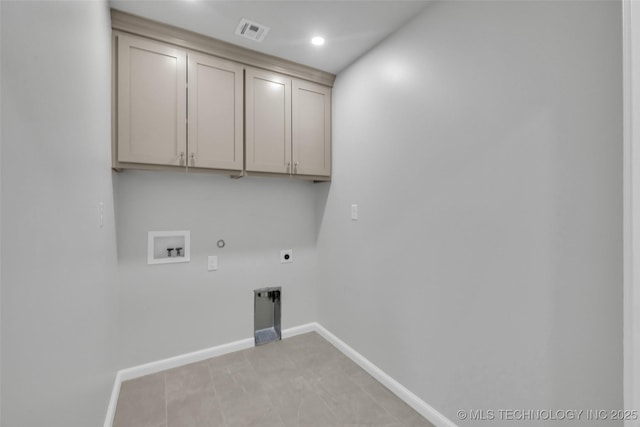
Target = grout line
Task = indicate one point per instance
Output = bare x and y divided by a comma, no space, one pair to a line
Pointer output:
382,377
381,404
216,393
166,400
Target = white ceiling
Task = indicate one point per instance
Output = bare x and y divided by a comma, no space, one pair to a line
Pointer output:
350,27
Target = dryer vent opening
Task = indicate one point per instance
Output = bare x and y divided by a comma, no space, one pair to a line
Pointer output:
266,315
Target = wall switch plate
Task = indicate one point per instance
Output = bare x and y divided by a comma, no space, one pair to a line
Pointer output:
354,212
212,263
286,256
101,214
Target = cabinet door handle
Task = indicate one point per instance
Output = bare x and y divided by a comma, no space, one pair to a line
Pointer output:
288,167
181,157
295,167
193,159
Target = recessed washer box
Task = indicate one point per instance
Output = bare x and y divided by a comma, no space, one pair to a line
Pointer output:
166,247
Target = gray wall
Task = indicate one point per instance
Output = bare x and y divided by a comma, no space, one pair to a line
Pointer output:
168,310
483,144
59,301
0,219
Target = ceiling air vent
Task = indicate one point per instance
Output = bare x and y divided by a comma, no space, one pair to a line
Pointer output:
252,30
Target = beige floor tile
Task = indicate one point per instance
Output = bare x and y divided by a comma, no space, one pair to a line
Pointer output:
302,381
395,406
189,379
229,363
254,410
358,408
142,402
199,409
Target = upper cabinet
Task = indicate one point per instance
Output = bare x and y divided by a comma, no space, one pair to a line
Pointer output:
288,125
311,128
215,113
152,102
153,124
268,122
182,100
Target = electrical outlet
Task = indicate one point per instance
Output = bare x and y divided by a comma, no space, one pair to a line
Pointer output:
286,256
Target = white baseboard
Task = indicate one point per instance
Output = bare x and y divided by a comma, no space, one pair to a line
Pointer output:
299,330
419,405
115,393
398,389
185,359
170,363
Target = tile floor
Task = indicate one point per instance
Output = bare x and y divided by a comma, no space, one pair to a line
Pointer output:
300,381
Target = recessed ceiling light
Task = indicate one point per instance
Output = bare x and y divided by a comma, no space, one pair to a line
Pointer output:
317,41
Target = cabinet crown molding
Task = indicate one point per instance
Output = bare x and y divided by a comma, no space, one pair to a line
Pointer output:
186,39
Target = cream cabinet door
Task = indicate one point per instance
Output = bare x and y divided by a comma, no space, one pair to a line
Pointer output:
311,120
151,102
268,122
215,121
